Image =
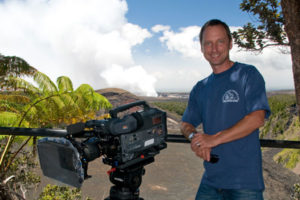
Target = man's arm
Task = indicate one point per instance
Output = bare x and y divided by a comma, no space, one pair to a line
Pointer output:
241,129
186,129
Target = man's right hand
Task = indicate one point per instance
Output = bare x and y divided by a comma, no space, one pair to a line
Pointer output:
203,153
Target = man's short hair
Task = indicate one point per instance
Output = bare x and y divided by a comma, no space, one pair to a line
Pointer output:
215,22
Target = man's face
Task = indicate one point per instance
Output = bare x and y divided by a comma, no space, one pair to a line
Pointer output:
216,45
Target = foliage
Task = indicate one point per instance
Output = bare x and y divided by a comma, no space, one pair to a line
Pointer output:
48,105
172,106
282,109
19,177
269,30
283,124
288,157
40,105
296,192
54,192
13,66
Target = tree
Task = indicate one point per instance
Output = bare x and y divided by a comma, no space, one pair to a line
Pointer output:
278,25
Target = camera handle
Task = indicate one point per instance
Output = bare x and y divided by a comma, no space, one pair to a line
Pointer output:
113,113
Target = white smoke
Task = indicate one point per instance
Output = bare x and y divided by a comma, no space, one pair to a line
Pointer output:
82,39
119,76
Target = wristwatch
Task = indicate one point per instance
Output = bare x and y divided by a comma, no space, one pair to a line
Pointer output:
192,134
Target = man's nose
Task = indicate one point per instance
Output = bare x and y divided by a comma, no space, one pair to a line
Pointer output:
214,47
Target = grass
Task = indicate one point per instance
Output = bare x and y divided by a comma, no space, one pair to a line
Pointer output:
172,106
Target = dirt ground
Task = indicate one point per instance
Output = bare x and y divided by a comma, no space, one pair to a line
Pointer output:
176,174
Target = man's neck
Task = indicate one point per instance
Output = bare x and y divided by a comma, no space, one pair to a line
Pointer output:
217,69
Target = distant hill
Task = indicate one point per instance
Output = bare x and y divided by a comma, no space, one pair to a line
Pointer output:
117,96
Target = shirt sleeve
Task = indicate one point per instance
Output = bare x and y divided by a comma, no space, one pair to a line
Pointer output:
255,93
192,113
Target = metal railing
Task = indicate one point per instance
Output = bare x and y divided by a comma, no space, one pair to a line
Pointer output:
176,138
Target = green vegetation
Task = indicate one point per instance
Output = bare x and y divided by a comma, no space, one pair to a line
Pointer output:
288,157
19,178
54,192
283,108
40,105
296,192
172,106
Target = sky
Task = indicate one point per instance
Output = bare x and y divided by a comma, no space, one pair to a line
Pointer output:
143,46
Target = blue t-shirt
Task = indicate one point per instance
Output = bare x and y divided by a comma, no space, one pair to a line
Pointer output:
219,102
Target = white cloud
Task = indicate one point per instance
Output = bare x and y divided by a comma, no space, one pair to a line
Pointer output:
160,28
185,42
134,34
76,38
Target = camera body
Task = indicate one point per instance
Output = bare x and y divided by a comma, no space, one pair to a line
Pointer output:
122,141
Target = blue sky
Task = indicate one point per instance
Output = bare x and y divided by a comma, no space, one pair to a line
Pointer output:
143,46
182,13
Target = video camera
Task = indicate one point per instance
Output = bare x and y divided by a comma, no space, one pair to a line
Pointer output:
127,142
123,142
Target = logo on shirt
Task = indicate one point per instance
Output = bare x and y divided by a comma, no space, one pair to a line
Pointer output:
231,96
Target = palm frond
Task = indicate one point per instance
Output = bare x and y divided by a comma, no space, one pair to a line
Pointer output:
13,65
85,89
10,106
8,119
19,83
94,100
69,99
45,83
56,101
100,102
85,96
16,98
64,84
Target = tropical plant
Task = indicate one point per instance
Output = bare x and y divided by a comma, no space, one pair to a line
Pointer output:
44,105
48,105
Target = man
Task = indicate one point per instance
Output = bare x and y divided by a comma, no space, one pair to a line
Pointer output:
231,104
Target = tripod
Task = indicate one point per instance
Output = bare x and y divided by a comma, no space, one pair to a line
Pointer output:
127,181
